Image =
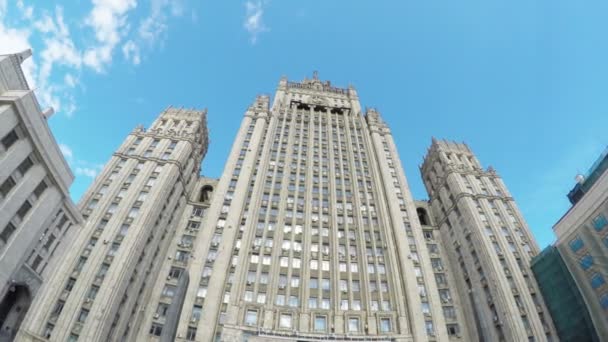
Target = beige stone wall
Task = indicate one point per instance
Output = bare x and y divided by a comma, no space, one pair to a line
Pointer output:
491,245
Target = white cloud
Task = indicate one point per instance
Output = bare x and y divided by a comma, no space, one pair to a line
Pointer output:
27,12
131,52
70,80
15,40
108,18
253,21
87,171
67,151
55,68
152,29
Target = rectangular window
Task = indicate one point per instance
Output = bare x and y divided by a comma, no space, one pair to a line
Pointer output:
586,262
597,281
285,321
576,244
40,189
191,334
320,323
25,207
83,315
385,325
25,165
353,324
251,318
599,222
156,329
604,301
7,232
7,186
9,139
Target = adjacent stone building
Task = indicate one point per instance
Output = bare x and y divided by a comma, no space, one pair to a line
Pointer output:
582,243
37,216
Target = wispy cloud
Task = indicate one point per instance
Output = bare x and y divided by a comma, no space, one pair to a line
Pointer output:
131,52
80,167
90,172
67,151
254,23
108,19
55,69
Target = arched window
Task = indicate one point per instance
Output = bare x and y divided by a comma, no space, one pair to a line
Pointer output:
206,191
423,216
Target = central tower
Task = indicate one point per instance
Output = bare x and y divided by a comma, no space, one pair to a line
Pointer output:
312,231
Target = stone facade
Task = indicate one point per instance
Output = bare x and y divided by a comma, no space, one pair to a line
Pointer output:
132,211
310,234
489,244
37,215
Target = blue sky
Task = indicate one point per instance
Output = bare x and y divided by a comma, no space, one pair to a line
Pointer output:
522,82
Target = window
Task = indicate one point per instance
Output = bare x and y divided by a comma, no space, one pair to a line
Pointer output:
429,328
7,232
6,187
25,165
9,139
83,315
586,262
191,334
169,291
353,324
385,325
597,281
604,301
576,244
196,312
251,318
40,189
25,207
599,222
175,272
320,323
156,329
93,292
453,329
285,321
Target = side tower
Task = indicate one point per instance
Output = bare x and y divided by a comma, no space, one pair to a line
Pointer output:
131,209
166,307
36,212
451,304
306,237
490,245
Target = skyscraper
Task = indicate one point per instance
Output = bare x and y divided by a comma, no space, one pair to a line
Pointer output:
37,215
131,212
491,246
312,233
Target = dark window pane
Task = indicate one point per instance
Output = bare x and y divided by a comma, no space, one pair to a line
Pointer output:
10,139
